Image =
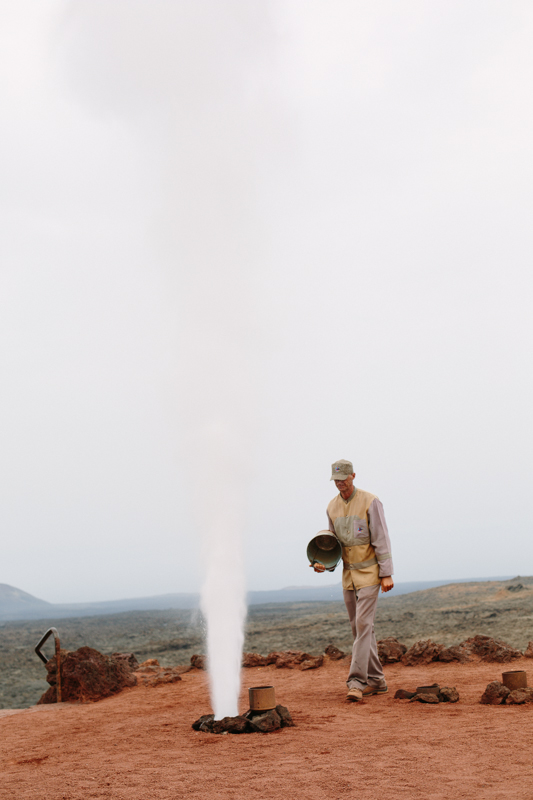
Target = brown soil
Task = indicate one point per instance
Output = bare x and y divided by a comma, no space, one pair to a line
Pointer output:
140,744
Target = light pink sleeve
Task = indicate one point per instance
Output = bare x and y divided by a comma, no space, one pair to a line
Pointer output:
379,538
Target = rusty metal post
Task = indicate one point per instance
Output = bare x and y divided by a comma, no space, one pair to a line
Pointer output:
48,633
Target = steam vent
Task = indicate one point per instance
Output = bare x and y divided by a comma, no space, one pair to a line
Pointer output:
263,716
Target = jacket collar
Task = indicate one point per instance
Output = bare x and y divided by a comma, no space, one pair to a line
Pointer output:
351,497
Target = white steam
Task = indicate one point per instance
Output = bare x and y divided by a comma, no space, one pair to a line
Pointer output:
223,592
190,75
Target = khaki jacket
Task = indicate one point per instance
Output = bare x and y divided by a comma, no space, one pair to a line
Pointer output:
359,525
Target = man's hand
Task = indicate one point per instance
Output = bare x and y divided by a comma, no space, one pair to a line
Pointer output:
387,584
317,566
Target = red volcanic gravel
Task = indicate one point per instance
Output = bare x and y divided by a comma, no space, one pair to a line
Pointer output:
139,745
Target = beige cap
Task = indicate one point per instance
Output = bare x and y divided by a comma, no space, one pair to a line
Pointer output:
341,469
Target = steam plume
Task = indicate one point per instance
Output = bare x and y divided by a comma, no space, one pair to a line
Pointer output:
195,68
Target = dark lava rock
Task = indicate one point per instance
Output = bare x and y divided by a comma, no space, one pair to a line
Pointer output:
529,650
87,675
334,653
403,694
200,662
266,722
520,696
448,694
432,688
282,712
390,650
230,725
285,716
495,694
515,587
253,660
490,649
453,654
422,652
429,697
204,723
251,722
208,724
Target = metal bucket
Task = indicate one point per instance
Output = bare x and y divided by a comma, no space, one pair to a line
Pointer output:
262,698
515,679
326,549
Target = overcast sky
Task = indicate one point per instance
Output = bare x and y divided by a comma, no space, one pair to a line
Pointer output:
240,241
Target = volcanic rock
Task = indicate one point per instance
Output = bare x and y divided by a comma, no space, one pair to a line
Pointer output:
312,662
456,653
427,697
285,716
529,650
334,653
295,659
128,658
403,694
87,675
448,694
282,711
204,723
519,696
422,652
266,722
230,725
390,650
288,660
495,694
490,649
253,660
200,662
251,722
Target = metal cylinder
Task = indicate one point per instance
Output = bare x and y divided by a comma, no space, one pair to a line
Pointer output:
515,679
262,698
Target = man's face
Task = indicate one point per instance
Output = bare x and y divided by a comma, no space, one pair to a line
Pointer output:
345,486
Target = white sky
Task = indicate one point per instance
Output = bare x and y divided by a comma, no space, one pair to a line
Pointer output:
306,224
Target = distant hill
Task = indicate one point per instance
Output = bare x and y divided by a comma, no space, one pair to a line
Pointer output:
14,601
295,594
18,605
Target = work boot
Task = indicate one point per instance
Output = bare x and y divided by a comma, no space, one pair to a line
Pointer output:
354,695
368,691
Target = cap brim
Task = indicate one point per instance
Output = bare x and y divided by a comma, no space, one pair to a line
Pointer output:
340,477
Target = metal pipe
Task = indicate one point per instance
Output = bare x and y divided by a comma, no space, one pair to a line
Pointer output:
43,658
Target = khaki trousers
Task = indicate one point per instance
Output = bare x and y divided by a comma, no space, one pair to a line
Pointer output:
365,669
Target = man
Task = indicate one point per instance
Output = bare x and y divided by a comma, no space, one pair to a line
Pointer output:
357,520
